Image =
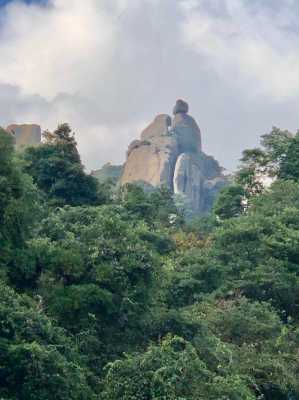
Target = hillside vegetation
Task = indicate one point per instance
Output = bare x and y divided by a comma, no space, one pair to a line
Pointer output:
110,294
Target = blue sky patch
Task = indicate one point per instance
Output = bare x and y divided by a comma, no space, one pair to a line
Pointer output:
4,2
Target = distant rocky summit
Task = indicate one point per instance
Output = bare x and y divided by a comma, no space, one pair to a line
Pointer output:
25,134
169,153
108,171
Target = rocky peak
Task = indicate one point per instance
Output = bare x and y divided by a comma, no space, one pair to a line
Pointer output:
169,153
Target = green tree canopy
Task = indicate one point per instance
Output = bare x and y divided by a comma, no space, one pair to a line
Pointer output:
57,170
38,361
231,202
170,370
128,301
19,208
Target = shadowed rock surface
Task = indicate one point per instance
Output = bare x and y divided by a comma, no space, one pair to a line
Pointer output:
25,134
198,179
187,132
170,153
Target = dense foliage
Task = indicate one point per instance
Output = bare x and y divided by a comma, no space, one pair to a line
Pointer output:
57,170
107,293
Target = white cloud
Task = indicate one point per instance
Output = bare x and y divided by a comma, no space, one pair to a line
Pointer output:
57,49
253,46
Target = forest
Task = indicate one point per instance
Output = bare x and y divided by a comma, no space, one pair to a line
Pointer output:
111,293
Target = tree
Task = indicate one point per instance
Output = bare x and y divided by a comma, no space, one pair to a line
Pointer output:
99,271
156,207
127,301
231,202
11,191
37,359
261,346
258,253
289,166
170,370
57,170
19,209
277,158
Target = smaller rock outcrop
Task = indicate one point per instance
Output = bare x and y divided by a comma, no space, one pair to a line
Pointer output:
25,134
107,172
158,127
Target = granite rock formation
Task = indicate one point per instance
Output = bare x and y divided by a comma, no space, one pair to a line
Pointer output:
170,153
25,134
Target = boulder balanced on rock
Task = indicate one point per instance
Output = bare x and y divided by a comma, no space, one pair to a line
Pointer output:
170,153
181,107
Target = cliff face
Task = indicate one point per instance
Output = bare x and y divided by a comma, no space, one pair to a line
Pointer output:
170,153
25,134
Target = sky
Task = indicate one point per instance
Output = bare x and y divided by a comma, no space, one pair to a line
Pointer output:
108,67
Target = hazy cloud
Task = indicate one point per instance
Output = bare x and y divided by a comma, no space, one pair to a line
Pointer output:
255,43
109,66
